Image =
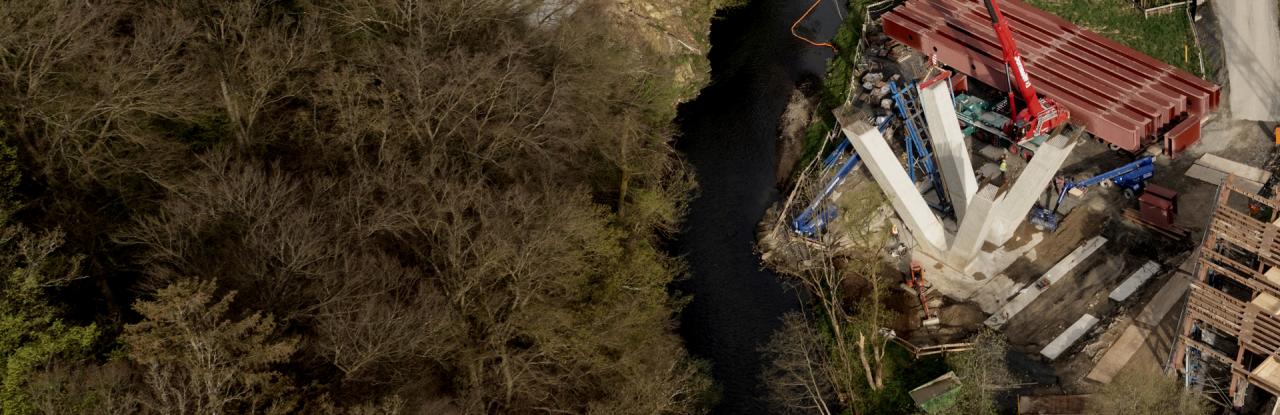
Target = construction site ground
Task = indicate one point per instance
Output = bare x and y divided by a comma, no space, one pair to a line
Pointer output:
964,300
1085,289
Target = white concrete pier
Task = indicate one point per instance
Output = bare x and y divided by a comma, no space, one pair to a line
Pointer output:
948,146
1014,206
973,228
893,180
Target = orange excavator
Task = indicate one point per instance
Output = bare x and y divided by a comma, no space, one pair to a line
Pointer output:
915,281
1041,115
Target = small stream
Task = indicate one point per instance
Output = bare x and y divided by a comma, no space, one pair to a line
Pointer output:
728,135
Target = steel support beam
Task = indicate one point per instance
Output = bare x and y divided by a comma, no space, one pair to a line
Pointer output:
1119,94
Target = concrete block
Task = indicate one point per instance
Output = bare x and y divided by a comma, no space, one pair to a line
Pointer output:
1032,291
1135,280
1136,334
893,180
1017,202
1164,300
973,228
1215,177
1119,354
1069,262
948,146
1241,170
1069,336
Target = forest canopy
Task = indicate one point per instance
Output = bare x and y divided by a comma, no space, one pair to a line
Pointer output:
364,206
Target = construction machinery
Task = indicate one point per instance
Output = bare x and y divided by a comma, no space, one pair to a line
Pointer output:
1024,129
914,280
918,145
1040,115
921,166
988,122
816,216
1131,177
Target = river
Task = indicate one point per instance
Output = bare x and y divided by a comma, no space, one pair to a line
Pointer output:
728,134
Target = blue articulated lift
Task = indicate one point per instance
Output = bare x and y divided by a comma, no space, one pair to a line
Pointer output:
919,159
815,217
1131,177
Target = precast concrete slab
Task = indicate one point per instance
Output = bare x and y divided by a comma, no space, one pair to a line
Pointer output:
1215,177
1017,202
893,180
1051,277
1135,280
1241,170
1069,336
1119,354
1135,335
973,228
948,146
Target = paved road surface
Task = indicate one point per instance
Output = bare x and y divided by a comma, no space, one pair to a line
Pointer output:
1251,41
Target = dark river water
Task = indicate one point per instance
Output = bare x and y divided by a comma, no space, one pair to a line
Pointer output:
728,135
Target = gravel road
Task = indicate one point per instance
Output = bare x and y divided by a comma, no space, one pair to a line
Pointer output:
1251,40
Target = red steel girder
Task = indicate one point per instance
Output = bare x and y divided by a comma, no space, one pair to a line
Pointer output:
1120,95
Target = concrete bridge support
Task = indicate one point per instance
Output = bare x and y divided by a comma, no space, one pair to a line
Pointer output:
973,228
1014,206
893,180
948,146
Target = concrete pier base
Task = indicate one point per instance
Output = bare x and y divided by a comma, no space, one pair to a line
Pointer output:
948,146
893,180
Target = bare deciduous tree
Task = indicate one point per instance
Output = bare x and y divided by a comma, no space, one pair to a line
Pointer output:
798,374
196,359
858,337
982,372
85,388
1147,392
443,204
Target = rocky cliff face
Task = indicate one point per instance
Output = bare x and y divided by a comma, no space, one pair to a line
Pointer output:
672,34
675,31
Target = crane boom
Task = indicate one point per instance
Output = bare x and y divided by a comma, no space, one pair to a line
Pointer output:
1013,59
1040,114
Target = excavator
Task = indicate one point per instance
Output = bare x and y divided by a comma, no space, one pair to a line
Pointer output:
1041,115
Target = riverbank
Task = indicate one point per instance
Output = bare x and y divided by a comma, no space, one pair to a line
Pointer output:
728,134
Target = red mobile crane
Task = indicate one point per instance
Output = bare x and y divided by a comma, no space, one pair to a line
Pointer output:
1041,115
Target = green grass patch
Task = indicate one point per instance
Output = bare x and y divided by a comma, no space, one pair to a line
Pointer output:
1165,37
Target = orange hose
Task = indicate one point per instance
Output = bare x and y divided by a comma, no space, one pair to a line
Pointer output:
806,16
